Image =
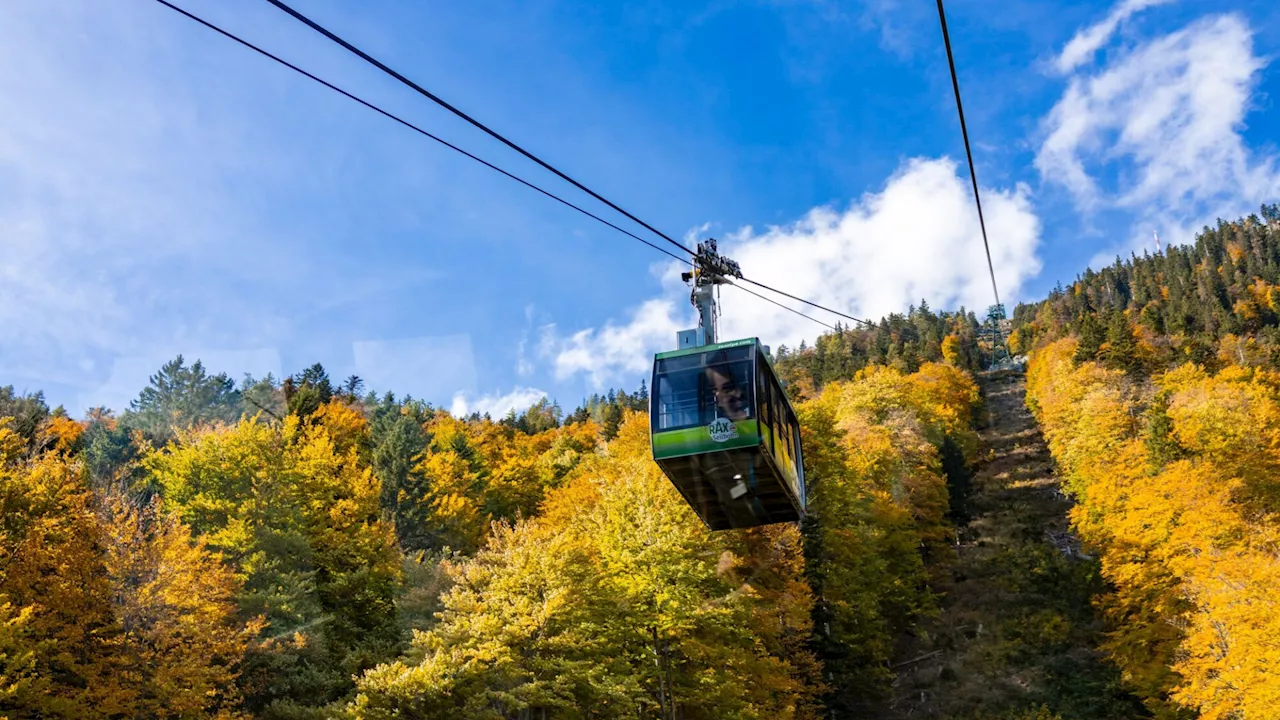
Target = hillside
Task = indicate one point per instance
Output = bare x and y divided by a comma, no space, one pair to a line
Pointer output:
1097,539
294,549
1017,634
1214,303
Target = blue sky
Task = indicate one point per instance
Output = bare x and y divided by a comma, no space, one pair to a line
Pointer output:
163,190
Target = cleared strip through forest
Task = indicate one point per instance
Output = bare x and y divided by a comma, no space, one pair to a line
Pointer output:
1017,634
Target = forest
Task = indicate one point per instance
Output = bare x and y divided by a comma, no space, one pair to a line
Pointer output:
299,548
1157,384
295,549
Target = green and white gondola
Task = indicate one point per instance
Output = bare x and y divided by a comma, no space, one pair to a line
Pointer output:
726,435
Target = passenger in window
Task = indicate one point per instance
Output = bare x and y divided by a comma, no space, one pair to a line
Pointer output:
730,400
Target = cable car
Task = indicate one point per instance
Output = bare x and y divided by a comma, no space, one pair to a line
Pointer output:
721,428
726,436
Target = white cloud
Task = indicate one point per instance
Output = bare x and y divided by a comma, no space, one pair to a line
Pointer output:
524,364
161,188
115,224
602,354
694,234
496,406
524,367
901,25
1081,48
918,238
1156,132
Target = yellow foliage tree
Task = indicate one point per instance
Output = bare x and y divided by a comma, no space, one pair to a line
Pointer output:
104,614
951,349
475,473
1017,342
179,643
1181,500
616,601
877,506
57,592
295,510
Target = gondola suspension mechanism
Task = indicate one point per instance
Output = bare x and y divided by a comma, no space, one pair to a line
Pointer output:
722,429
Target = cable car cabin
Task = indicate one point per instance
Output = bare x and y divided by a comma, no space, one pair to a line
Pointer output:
726,435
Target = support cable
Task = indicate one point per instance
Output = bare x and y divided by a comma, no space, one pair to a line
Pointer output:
415,128
231,36
973,173
492,133
964,131
761,285
869,325
784,307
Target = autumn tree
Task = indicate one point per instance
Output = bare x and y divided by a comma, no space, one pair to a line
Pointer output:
295,509
178,643
107,610
878,514
473,473
616,600
1180,500
54,589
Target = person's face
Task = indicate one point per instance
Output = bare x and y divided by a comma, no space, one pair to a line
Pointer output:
727,393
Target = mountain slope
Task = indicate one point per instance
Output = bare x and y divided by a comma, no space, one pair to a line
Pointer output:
1017,630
